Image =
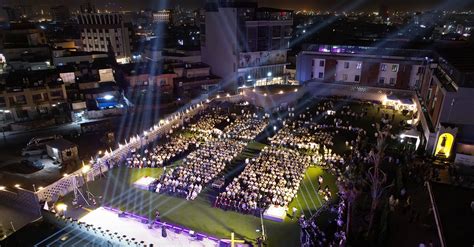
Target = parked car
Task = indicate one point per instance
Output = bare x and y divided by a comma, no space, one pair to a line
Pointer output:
33,150
38,141
36,164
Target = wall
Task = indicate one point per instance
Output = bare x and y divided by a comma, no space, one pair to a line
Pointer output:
66,184
220,48
21,199
350,72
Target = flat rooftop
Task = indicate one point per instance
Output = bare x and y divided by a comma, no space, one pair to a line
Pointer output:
456,216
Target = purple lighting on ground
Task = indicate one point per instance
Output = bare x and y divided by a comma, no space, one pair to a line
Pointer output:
168,225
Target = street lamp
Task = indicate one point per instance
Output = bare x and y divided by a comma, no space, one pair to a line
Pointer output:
61,207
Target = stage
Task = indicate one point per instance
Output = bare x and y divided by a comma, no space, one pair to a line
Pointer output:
144,182
275,213
134,228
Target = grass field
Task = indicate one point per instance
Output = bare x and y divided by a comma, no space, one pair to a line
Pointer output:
199,215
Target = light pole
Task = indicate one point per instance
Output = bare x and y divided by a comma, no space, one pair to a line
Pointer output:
85,169
264,237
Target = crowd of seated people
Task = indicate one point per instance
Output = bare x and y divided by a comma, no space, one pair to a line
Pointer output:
273,178
204,164
162,154
199,168
246,127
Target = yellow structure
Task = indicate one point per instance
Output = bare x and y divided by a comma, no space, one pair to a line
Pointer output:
444,145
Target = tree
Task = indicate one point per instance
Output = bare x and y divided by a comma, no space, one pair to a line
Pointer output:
376,178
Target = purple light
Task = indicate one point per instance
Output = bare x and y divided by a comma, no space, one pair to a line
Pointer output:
169,225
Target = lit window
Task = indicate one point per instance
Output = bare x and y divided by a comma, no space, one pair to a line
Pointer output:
395,68
359,65
383,67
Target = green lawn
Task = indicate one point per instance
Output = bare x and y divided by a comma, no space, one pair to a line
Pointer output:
199,215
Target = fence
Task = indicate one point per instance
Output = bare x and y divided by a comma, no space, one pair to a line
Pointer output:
21,199
66,184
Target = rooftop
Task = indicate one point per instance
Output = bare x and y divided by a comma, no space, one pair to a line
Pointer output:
61,144
453,204
459,56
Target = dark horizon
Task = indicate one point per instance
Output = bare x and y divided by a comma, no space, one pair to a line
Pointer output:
321,5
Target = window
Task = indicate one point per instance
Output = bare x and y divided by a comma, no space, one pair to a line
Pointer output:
21,99
320,75
57,94
312,75
321,63
37,97
344,77
359,65
394,67
392,81
381,80
383,67
346,65
357,78
312,63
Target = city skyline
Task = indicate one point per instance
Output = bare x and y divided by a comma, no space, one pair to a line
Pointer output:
322,5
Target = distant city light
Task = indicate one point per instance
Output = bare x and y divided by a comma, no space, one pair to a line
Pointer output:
269,74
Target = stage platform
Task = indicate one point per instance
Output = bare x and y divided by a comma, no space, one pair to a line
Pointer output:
275,213
144,182
134,228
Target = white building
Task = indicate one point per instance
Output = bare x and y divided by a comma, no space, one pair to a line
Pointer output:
162,16
104,31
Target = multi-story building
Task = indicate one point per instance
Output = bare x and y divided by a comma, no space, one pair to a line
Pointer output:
447,97
22,35
27,95
162,16
365,66
244,44
193,79
60,13
150,76
436,83
107,32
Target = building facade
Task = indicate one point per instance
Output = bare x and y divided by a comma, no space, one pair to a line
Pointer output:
446,97
366,66
244,44
29,99
106,32
440,82
162,16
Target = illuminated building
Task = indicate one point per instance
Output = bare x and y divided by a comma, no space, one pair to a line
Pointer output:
163,16
246,45
106,32
436,83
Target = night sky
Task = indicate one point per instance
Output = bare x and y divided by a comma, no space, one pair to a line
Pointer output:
331,5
